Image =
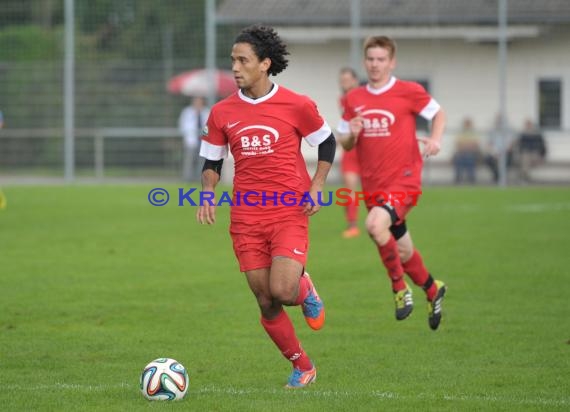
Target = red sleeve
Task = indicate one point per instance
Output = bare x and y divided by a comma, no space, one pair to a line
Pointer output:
213,134
214,141
342,103
347,109
310,120
419,97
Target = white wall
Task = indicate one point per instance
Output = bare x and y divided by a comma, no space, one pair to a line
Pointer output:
463,76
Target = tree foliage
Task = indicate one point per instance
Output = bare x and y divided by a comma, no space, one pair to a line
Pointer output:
133,29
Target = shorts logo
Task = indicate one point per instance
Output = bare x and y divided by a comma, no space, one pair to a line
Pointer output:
298,252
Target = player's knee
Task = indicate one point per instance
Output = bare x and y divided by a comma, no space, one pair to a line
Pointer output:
405,254
283,293
380,237
265,303
377,227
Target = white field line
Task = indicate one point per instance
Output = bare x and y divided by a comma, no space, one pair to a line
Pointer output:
539,207
518,208
392,395
311,393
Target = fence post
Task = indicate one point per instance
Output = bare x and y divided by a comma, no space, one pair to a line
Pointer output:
69,92
99,153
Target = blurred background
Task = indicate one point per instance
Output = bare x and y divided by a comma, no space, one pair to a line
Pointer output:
87,89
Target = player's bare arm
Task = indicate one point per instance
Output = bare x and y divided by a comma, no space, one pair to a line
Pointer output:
327,150
432,144
210,177
317,185
348,140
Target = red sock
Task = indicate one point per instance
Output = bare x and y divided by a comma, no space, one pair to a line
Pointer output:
304,287
418,273
281,332
351,213
391,260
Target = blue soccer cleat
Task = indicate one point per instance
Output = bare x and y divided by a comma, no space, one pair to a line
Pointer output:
300,379
313,307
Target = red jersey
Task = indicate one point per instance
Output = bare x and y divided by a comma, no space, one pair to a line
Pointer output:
349,159
387,147
264,136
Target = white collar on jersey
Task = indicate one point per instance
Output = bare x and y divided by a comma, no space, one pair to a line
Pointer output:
382,89
262,98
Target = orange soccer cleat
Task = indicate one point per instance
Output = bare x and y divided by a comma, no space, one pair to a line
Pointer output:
313,307
351,232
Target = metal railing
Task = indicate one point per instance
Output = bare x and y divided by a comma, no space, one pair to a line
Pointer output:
130,151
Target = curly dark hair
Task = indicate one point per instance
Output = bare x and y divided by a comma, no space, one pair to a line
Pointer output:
265,42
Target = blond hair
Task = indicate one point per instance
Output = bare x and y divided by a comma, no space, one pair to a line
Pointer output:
381,41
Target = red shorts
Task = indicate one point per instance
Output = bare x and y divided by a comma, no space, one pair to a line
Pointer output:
400,199
349,162
255,245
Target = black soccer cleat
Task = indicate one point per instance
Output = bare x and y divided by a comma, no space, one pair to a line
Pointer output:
434,306
404,303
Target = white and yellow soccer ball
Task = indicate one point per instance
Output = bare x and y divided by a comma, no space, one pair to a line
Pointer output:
164,379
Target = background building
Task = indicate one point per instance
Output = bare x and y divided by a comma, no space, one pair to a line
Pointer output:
126,51
450,46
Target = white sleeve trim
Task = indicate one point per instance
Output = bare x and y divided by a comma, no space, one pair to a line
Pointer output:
319,136
213,152
343,127
430,110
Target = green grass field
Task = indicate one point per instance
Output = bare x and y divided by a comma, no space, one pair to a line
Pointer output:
95,283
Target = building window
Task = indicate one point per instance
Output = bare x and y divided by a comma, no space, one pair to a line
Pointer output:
550,104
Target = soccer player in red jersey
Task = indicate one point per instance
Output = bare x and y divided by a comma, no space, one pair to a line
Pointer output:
349,168
379,121
263,124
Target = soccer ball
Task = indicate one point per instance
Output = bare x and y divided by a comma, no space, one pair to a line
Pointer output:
164,379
